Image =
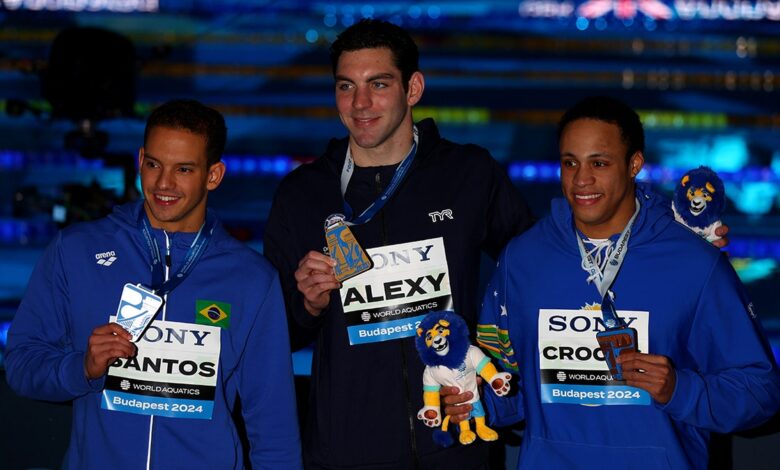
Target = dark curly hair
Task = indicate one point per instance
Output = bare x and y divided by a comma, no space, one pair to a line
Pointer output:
610,110
374,34
194,117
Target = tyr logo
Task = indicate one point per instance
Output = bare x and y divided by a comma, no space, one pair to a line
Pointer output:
437,216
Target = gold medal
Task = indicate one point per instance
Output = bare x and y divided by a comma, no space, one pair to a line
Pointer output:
350,257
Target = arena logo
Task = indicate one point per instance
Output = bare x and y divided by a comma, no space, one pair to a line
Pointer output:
729,10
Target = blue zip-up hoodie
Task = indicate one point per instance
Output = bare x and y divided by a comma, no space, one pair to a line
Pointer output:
71,292
698,315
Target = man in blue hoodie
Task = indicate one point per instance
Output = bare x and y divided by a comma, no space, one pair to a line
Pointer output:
163,396
611,257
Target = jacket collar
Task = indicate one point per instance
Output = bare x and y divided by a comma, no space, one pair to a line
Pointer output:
655,214
336,152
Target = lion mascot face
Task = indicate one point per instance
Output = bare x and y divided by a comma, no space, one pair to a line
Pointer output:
699,201
699,198
442,339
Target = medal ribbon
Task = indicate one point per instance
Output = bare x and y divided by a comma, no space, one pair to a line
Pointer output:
159,285
379,202
604,280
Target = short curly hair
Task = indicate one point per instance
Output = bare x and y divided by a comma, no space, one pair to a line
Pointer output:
612,111
195,117
375,34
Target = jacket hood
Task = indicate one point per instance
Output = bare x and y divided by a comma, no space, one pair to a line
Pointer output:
126,215
655,214
336,152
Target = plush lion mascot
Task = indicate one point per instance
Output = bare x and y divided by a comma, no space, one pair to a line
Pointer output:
450,359
699,201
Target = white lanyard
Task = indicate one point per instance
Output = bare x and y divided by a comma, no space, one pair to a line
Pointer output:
605,279
379,202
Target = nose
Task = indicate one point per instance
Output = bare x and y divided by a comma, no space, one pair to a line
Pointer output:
583,176
362,98
165,179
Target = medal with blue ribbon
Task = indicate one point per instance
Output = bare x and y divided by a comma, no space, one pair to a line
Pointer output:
350,257
617,336
139,304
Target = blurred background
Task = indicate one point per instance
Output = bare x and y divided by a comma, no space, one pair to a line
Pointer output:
79,77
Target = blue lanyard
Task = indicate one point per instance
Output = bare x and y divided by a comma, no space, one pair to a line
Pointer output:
605,280
160,286
376,206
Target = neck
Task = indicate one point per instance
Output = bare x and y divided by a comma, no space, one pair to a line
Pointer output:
390,152
613,227
177,226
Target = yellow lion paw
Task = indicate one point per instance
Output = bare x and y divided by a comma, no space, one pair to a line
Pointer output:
467,437
486,434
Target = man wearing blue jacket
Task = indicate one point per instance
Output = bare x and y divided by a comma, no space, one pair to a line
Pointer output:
703,363
161,396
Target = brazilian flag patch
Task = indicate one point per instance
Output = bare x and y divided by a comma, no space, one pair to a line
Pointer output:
213,313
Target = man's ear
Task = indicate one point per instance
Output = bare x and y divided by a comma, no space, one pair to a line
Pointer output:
636,162
416,88
216,173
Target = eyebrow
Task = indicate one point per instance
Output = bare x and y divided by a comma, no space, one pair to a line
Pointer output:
152,157
379,76
592,155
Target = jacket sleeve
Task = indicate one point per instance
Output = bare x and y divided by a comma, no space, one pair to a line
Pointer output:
493,337
42,362
267,390
735,384
281,248
508,214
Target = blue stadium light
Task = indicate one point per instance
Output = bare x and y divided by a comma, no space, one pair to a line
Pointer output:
312,35
17,160
278,165
23,232
534,172
282,165
4,326
7,231
11,160
249,165
549,172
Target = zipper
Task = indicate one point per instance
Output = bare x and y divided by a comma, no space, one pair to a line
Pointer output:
164,305
404,362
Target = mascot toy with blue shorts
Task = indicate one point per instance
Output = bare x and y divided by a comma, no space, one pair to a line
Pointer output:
699,201
450,359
